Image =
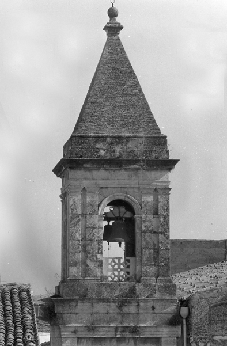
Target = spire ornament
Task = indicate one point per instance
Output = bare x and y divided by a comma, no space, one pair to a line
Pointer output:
113,27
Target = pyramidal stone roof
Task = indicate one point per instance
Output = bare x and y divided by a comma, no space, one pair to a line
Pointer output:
17,316
115,103
115,126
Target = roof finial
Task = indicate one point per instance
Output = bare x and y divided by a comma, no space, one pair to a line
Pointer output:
113,27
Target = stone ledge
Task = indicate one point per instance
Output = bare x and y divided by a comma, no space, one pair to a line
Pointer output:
165,164
83,288
74,331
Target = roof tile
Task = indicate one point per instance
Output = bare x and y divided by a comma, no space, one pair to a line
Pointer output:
17,316
115,103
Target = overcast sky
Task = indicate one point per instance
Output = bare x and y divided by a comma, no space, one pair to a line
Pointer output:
49,52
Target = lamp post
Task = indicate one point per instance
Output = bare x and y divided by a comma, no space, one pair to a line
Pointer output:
184,312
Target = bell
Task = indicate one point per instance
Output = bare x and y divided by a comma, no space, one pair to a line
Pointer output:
119,232
107,232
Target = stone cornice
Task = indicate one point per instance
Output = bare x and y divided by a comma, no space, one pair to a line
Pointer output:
96,135
162,164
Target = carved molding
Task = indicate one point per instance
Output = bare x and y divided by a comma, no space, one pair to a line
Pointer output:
131,200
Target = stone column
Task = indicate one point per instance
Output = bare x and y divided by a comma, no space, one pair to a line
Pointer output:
156,231
83,231
64,242
94,231
164,247
165,286
138,246
74,233
149,267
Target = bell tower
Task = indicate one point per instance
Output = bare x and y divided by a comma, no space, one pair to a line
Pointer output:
115,286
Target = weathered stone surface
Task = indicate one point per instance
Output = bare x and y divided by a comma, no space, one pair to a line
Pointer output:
116,147
92,203
147,223
165,288
164,242
147,204
148,257
163,209
147,240
116,152
75,206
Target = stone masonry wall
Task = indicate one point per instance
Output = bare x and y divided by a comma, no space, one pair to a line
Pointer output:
116,147
208,316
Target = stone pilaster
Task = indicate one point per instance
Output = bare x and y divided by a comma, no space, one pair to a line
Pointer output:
94,241
64,242
164,249
74,236
149,268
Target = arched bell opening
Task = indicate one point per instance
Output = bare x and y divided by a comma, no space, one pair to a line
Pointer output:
119,260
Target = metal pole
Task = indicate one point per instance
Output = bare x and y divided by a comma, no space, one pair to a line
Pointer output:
185,331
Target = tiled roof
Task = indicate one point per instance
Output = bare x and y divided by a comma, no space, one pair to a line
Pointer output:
17,316
115,103
201,279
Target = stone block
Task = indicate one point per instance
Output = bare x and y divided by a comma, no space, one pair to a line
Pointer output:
128,306
100,307
66,341
147,223
104,290
146,289
129,319
156,256
67,305
109,319
164,242
75,230
165,289
149,271
147,240
73,289
92,221
93,269
92,248
74,271
74,258
148,341
74,220
77,319
155,237
154,306
147,257
164,270
164,257
147,205
148,319
167,341
94,233
92,203
74,206
74,247
164,213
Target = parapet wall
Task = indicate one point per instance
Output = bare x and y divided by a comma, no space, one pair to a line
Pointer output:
188,254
